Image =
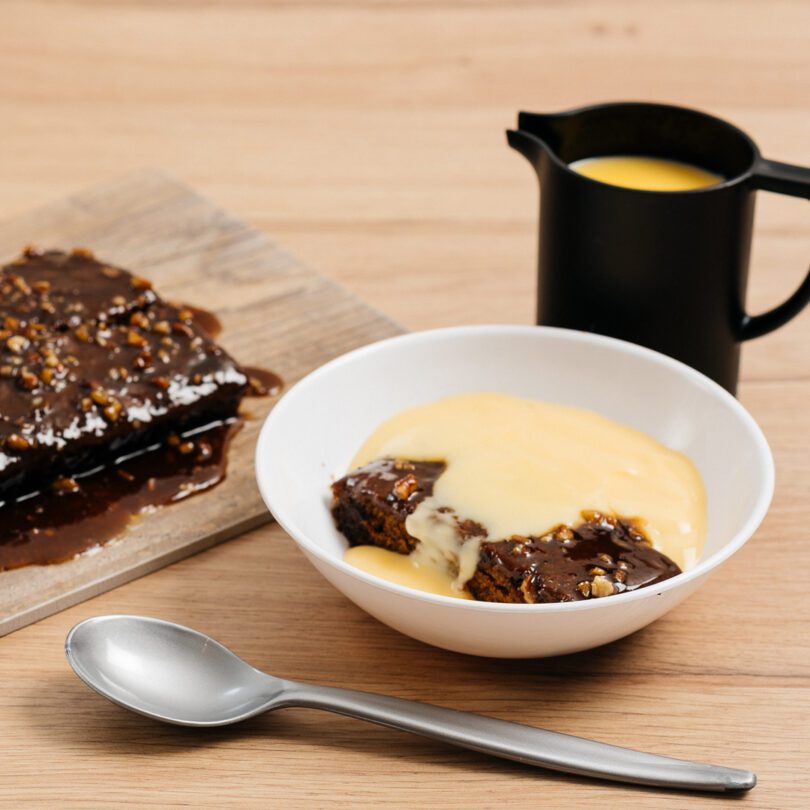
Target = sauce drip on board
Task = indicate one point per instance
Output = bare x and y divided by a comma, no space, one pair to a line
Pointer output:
262,382
206,320
88,511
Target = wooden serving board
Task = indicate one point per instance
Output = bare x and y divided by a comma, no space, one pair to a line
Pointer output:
275,313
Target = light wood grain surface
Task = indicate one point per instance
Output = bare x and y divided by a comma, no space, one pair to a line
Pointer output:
367,137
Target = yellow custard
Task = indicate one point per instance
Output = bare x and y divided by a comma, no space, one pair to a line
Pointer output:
404,570
522,467
646,173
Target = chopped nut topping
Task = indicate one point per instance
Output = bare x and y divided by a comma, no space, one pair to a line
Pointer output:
27,380
42,286
584,588
142,360
134,339
182,329
65,486
405,487
139,319
119,301
17,442
82,333
17,344
112,411
186,447
601,586
162,327
19,283
139,283
100,396
527,589
596,571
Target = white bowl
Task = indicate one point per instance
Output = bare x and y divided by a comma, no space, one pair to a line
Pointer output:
315,429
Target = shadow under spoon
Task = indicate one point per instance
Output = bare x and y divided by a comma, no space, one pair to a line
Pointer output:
177,675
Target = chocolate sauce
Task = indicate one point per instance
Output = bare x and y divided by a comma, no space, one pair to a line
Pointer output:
601,556
206,320
85,512
112,402
261,382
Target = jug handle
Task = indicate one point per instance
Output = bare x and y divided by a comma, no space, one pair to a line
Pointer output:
782,178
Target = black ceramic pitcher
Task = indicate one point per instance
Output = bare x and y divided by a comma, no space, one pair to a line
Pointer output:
666,269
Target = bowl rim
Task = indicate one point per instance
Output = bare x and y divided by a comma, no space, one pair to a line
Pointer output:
755,517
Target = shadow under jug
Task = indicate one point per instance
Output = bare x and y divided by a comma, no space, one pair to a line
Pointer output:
665,269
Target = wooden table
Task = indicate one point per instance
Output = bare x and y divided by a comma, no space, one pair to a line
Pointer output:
368,137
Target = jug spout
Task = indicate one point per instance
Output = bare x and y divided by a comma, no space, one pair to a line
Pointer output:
535,134
528,145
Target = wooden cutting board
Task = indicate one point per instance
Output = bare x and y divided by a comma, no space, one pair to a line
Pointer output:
275,312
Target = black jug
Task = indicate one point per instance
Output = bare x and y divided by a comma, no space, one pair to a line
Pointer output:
665,269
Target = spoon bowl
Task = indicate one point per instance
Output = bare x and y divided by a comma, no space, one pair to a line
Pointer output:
167,671
177,675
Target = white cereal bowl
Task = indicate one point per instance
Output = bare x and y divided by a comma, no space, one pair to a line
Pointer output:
313,432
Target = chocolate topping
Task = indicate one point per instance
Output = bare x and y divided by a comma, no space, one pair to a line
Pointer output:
94,365
111,401
599,557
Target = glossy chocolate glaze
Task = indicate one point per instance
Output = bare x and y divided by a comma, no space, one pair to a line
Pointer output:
601,556
112,402
563,564
75,515
93,365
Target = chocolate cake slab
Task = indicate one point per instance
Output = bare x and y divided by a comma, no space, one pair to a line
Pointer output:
602,556
94,365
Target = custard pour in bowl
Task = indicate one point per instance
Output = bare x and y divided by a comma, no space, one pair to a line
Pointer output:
314,432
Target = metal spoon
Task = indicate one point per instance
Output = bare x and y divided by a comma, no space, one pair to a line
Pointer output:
175,674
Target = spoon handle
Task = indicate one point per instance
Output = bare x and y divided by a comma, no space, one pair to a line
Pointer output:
526,744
